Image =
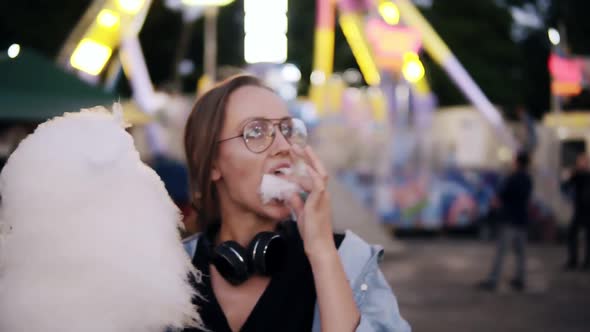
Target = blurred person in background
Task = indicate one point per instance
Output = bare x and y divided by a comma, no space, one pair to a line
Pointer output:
513,200
529,139
10,136
174,174
578,184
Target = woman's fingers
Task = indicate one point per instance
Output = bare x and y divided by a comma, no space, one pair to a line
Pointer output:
315,180
300,156
319,185
316,163
304,182
311,159
296,204
311,182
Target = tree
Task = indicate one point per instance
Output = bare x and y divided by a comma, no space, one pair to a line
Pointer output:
43,25
478,33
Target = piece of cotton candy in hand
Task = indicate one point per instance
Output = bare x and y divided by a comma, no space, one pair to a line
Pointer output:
274,187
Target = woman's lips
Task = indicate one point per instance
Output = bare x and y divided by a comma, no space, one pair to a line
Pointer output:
281,170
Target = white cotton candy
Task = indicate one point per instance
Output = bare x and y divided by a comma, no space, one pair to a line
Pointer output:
92,241
274,187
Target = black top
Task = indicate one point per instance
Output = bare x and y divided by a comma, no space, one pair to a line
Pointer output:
579,183
515,196
287,304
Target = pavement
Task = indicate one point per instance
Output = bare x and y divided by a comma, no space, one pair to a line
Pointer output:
434,281
349,214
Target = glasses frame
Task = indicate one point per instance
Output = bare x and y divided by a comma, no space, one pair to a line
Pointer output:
275,123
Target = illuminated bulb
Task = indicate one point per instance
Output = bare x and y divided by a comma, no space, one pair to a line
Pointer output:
107,18
389,12
554,36
412,69
90,56
131,6
218,3
317,77
13,51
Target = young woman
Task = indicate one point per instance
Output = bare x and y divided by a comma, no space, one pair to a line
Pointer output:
261,272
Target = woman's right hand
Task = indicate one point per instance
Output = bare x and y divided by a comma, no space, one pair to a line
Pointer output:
314,215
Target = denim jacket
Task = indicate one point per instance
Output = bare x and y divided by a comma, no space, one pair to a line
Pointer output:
372,294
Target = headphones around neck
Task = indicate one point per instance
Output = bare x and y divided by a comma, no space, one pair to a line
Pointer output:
264,255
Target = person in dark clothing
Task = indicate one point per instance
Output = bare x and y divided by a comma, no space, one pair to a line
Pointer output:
174,174
513,199
3,161
578,185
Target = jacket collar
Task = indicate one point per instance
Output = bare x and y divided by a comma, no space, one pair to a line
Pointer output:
355,254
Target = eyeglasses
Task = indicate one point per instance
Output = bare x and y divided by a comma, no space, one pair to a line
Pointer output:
259,134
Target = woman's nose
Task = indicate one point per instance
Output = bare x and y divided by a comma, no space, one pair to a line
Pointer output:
280,144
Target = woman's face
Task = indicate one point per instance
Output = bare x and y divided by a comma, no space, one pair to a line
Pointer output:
238,171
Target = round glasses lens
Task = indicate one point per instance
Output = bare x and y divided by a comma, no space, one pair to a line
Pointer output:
258,135
295,131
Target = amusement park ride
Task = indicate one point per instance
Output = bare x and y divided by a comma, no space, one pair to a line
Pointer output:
385,37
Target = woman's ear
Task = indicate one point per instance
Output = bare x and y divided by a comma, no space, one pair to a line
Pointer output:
215,173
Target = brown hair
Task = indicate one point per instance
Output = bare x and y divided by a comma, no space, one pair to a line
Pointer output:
201,138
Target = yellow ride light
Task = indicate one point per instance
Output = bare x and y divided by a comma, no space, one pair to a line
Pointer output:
412,69
218,3
389,11
90,56
131,6
108,19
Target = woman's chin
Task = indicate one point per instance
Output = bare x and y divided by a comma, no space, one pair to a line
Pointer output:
277,211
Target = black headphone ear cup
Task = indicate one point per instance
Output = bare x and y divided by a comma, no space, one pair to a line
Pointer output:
267,252
231,260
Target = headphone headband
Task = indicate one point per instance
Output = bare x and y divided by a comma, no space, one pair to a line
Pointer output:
264,255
